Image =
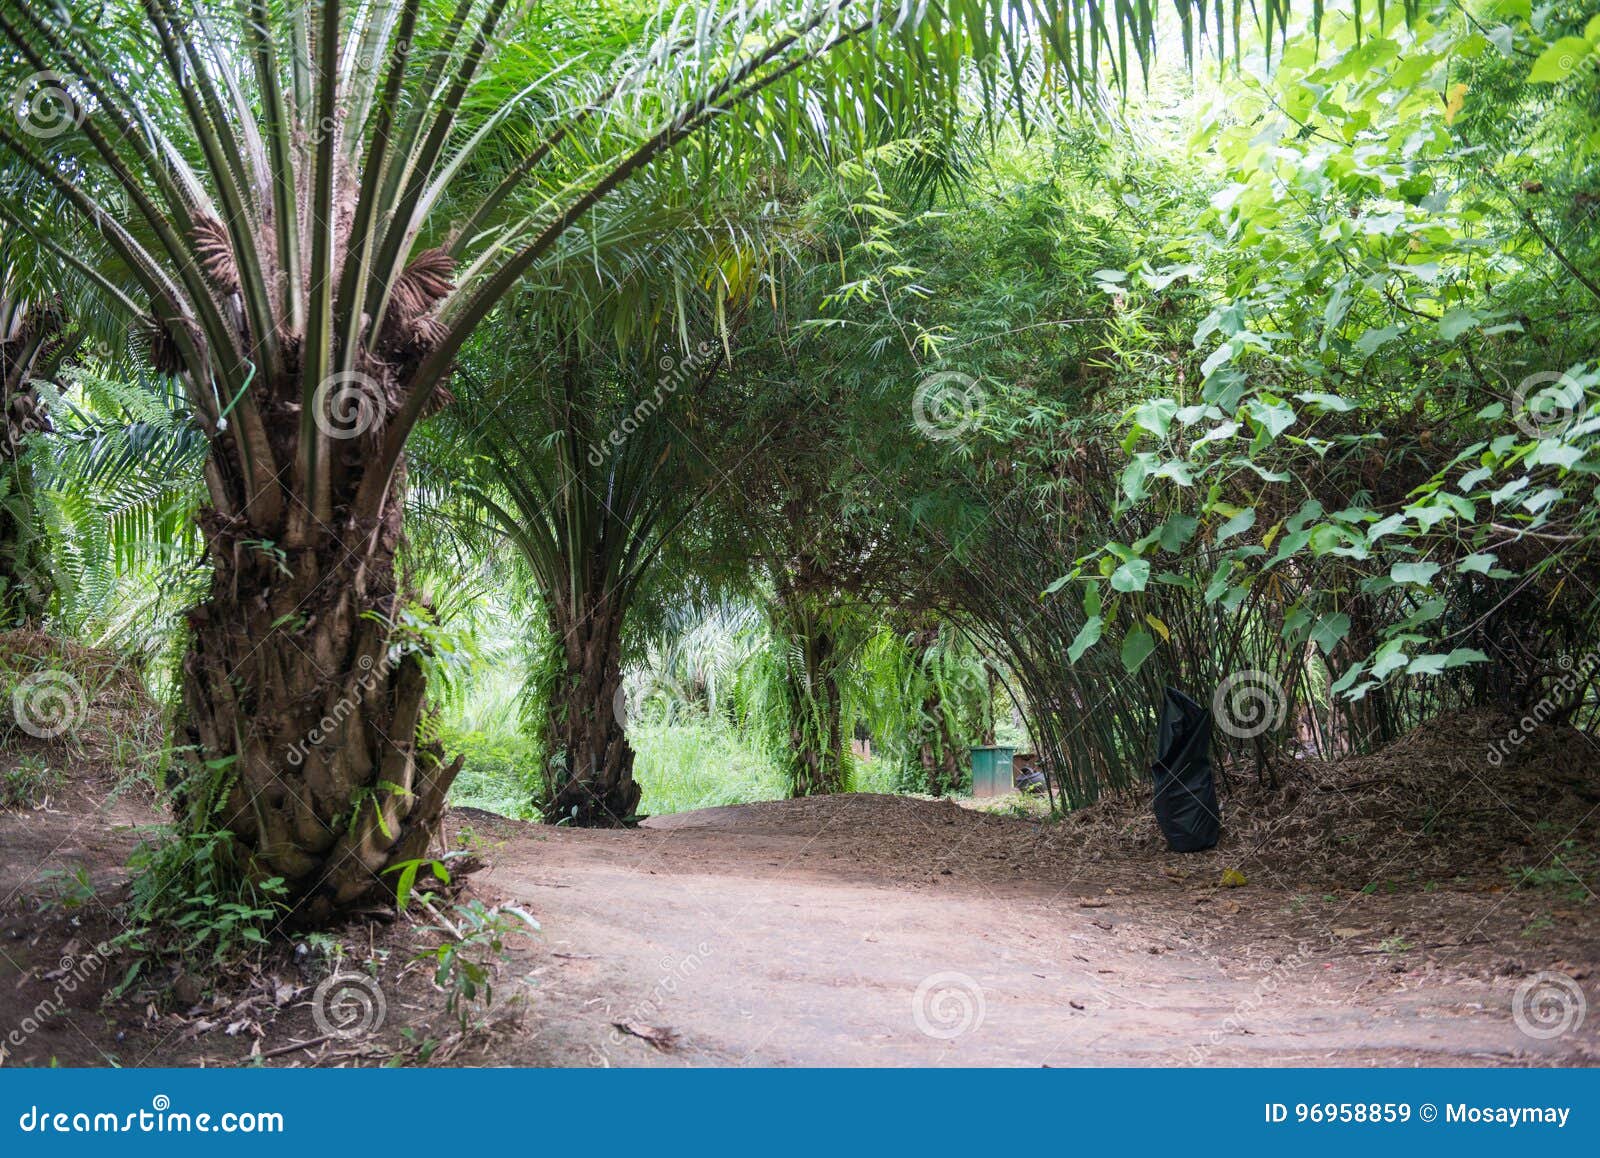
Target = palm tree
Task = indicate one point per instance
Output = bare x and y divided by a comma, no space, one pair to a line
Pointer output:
36,339
593,434
312,205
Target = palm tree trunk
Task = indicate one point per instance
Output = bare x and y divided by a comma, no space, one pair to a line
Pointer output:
949,760
303,705
929,751
816,712
590,780
26,582
31,345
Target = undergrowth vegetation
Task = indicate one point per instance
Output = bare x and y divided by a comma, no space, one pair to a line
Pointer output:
894,400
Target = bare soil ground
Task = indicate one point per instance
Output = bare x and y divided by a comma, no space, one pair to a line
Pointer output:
1429,904
871,930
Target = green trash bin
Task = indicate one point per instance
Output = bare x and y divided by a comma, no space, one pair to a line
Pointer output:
991,771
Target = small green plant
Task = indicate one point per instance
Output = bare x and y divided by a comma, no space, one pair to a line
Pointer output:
1540,924
270,551
471,949
1565,873
65,890
192,901
420,1049
1018,806
28,783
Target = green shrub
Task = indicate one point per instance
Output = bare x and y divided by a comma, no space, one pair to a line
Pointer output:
696,764
500,772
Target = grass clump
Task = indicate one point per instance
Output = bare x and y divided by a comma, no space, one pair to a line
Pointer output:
694,763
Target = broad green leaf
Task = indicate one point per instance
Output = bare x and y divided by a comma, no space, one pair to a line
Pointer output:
1088,635
1369,342
1422,573
1275,417
1156,416
1237,525
1561,60
1327,401
1178,529
1426,665
1330,631
1390,657
1131,576
1136,649
1351,674
1457,322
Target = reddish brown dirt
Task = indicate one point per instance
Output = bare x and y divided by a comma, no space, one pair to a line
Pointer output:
802,932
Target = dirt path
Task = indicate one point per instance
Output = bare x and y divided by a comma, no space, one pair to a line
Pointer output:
883,931
854,930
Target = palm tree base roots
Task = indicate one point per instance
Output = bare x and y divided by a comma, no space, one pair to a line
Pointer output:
589,779
303,720
595,802
591,784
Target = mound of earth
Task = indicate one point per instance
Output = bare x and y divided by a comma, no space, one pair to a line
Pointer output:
1451,801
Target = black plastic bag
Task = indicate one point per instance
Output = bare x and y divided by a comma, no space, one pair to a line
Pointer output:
1186,794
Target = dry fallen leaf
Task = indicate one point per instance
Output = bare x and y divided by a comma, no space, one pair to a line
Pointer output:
660,1036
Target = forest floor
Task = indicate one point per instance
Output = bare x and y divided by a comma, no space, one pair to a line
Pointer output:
1381,925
